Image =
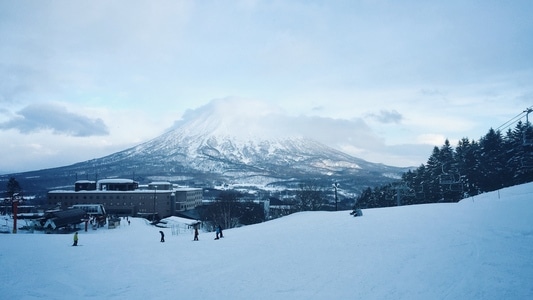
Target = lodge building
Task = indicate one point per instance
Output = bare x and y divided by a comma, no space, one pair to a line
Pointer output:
125,197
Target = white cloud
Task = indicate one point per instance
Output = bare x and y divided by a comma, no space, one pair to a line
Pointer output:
431,139
387,116
44,116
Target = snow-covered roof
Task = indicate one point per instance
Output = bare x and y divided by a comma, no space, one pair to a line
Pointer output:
160,183
115,180
186,189
170,221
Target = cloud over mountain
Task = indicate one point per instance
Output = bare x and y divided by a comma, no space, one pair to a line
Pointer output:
246,118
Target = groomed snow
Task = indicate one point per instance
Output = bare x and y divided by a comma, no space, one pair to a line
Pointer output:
479,248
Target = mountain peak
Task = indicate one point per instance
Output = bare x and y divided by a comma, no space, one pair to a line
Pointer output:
240,119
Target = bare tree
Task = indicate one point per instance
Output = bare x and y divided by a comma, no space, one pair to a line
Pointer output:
309,196
225,210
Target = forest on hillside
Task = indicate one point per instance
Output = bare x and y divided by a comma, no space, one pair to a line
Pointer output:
496,161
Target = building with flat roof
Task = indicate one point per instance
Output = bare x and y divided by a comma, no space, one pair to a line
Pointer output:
126,198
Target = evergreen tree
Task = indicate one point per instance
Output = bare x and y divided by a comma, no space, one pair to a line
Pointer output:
492,162
471,168
419,185
363,199
465,159
410,180
13,188
520,149
431,177
450,179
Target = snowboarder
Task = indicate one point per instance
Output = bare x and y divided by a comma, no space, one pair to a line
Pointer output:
220,231
162,236
75,239
195,234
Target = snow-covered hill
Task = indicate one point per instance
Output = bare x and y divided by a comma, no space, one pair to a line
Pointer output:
479,248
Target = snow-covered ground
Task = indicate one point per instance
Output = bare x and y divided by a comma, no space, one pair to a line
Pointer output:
479,248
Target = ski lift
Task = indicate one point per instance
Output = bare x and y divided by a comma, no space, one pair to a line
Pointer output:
451,179
447,179
402,192
527,138
527,161
456,187
527,134
452,183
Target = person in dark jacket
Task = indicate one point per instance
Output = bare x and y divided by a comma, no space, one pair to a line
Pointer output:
162,236
75,239
195,234
220,231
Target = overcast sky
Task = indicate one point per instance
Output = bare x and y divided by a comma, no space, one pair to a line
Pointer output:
383,80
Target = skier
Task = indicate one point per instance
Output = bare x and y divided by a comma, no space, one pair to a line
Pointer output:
195,234
75,239
162,236
217,230
220,231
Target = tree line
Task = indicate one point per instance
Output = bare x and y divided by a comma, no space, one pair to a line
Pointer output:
473,167
229,208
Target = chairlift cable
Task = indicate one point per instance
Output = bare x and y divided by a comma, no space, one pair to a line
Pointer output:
515,119
510,122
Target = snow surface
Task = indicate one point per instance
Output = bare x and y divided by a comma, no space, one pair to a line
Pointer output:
479,248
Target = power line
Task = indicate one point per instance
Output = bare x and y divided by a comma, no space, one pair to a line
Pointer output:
513,120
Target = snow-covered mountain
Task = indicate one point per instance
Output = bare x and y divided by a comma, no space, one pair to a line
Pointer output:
235,145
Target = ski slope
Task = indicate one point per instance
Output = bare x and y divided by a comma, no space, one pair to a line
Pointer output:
479,248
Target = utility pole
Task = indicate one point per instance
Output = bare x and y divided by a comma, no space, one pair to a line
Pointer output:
15,203
155,196
399,190
336,186
527,111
